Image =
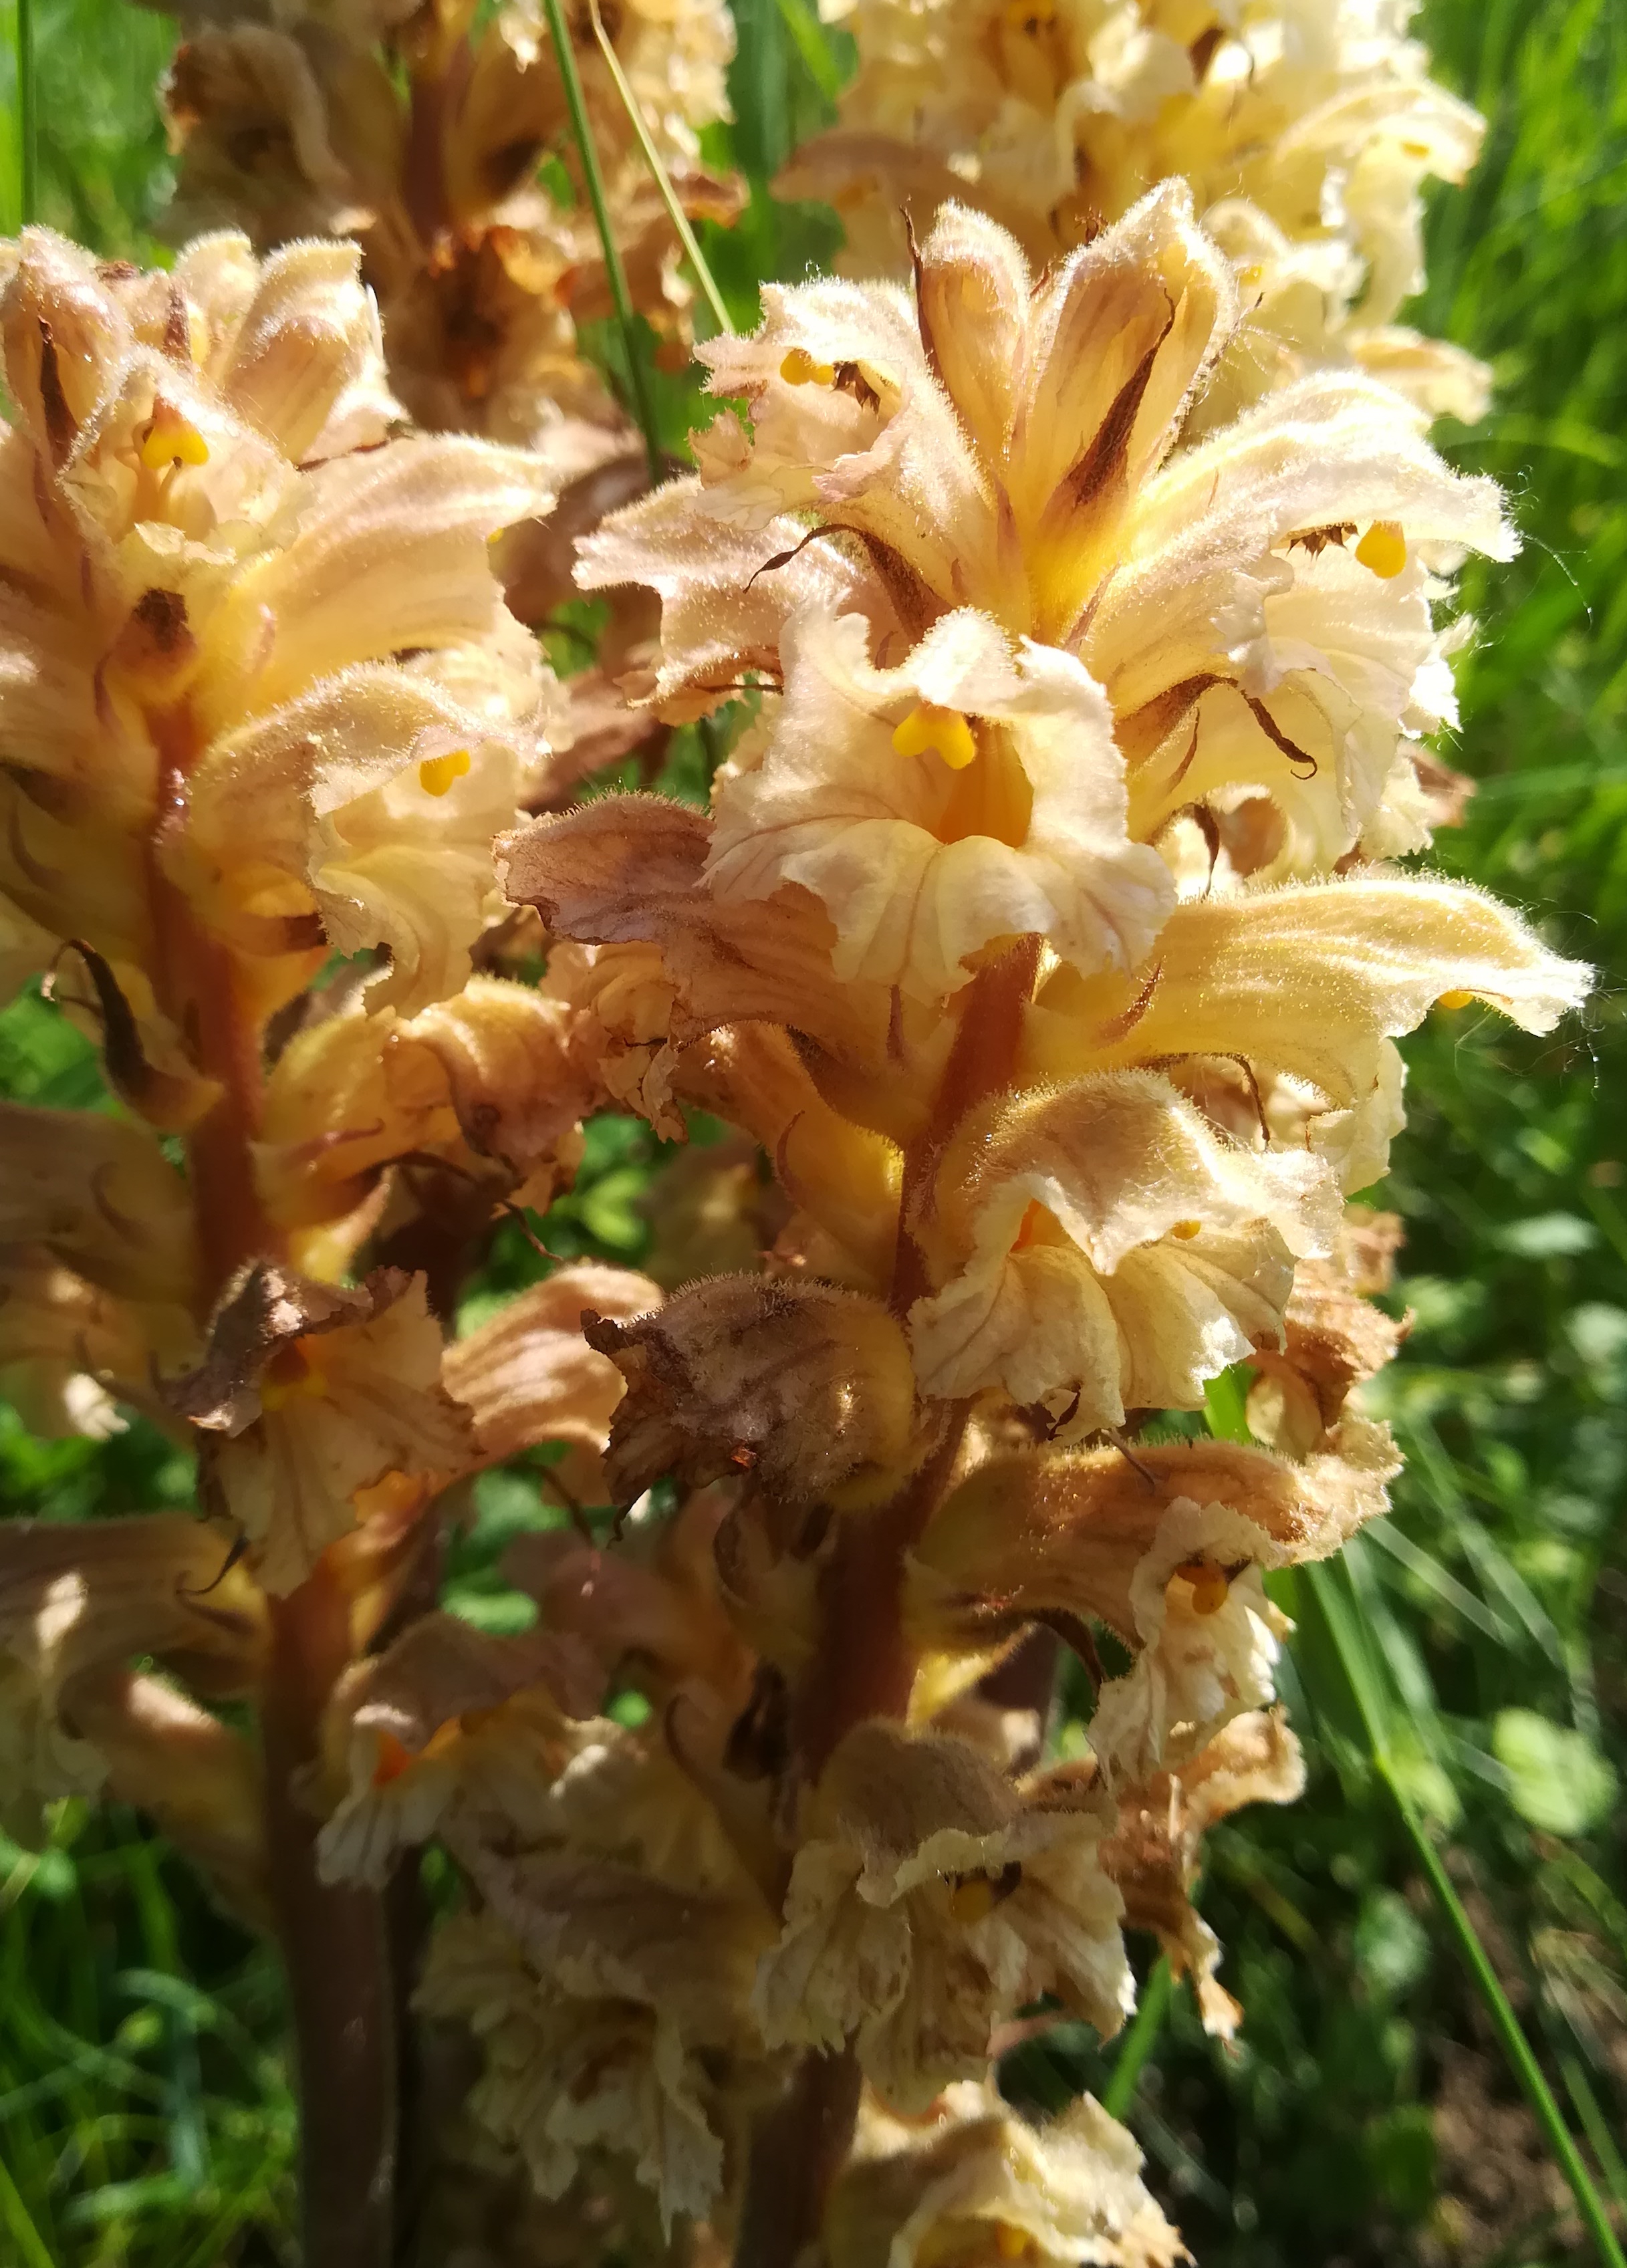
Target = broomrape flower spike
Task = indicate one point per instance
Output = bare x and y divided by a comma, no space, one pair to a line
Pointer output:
420,132
1041,935
1306,127
1043,955
260,701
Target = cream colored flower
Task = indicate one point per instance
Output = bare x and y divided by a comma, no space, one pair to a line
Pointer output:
1062,1540
218,556
1306,986
1012,823
971,2183
1307,128
1209,1640
1100,1249
928,1899
1057,634
315,1395
448,1716
570,2076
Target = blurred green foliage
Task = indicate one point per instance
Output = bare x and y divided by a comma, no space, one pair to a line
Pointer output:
1364,2115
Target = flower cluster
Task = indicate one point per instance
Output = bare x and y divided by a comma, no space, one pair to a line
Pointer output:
1044,953
263,708
1306,129
419,131
1041,934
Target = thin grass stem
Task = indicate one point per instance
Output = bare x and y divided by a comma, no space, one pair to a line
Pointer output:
1139,2040
27,117
806,31
615,274
32,2251
663,180
1591,2119
1340,1614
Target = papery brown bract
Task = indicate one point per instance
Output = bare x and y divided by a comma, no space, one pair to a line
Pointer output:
1155,1851
807,1386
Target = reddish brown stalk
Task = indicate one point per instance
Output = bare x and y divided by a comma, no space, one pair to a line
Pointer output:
334,1944
334,1940
796,2152
863,1665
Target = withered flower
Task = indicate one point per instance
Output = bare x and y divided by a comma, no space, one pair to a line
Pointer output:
972,2182
420,132
928,1898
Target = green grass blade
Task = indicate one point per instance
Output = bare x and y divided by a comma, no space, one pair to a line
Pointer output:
1579,2086
27,115
652,158
1139,2040
1341,1615
615,274
808,35
32,2249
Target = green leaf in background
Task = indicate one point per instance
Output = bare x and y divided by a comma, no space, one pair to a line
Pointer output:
1556,1778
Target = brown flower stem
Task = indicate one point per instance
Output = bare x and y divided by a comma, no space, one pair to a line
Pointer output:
335,1945
334,1940
862,1664
796,2154
981,1062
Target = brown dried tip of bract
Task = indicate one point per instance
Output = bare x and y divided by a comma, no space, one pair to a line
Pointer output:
807,1387
630,871
608,873
1029,1537
529,1376
1154,1853
1334,1338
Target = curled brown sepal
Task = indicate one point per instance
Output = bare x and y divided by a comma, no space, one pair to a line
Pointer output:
808,1387
1154,1854
311,1394
1333,1336
172,1101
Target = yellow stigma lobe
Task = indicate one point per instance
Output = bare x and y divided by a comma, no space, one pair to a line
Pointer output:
292,1370
800,369
1383,549
1187,1229
1454,1000
974,1899
1010,2241
945,730
436,774
1210,1586
170,439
